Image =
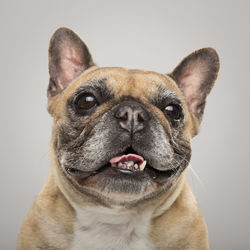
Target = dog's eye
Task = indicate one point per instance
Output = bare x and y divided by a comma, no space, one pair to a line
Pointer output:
173,111
85,101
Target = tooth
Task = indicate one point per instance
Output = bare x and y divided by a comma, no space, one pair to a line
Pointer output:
143,165
120,165
130,163
113,165
136,166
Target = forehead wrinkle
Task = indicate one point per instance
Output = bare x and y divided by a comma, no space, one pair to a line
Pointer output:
135,83
164,93
150,81
98,84
123,84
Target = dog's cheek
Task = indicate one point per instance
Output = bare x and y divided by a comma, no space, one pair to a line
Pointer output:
95,144
171,145
103,142
160,149
66,139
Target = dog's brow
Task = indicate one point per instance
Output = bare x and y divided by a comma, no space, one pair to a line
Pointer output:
96,84
165,93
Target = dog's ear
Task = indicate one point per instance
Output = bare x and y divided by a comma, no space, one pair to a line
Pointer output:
195,76
68,58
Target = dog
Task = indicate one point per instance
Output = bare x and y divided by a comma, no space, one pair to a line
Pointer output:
119,152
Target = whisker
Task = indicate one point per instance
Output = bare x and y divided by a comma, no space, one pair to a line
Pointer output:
197,177
194,173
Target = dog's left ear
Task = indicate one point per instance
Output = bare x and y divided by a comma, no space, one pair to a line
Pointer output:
68,57
195,76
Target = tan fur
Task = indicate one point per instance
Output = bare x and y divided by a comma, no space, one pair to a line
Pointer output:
182,218
173,216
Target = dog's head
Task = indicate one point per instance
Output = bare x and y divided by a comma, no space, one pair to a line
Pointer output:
121,136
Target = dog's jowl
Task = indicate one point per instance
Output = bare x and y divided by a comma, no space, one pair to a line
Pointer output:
119,151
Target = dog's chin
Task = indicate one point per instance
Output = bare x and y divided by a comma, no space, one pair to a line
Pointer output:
117,183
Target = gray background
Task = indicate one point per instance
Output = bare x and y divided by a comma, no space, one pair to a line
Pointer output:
153,35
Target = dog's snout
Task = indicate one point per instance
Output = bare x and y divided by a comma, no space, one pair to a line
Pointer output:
132,118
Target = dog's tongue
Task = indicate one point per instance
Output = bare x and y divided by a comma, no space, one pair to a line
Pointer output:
129,157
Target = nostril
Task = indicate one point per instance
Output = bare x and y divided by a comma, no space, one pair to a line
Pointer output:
132,118
140,118
124,113
124,116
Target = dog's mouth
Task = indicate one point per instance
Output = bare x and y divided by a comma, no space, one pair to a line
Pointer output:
128,164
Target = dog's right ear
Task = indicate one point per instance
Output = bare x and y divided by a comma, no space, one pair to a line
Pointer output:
68,58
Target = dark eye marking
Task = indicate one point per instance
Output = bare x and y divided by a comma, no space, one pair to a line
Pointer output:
88,97
169,103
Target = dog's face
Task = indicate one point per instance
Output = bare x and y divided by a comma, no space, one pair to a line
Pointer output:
122,136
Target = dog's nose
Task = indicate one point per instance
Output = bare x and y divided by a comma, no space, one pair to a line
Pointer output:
132,118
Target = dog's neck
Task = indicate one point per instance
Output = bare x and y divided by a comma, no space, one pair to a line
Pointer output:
116,228
98,227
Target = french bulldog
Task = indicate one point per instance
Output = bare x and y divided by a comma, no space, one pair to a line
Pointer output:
119,152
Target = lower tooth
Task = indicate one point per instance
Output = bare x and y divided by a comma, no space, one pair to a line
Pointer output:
143,165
